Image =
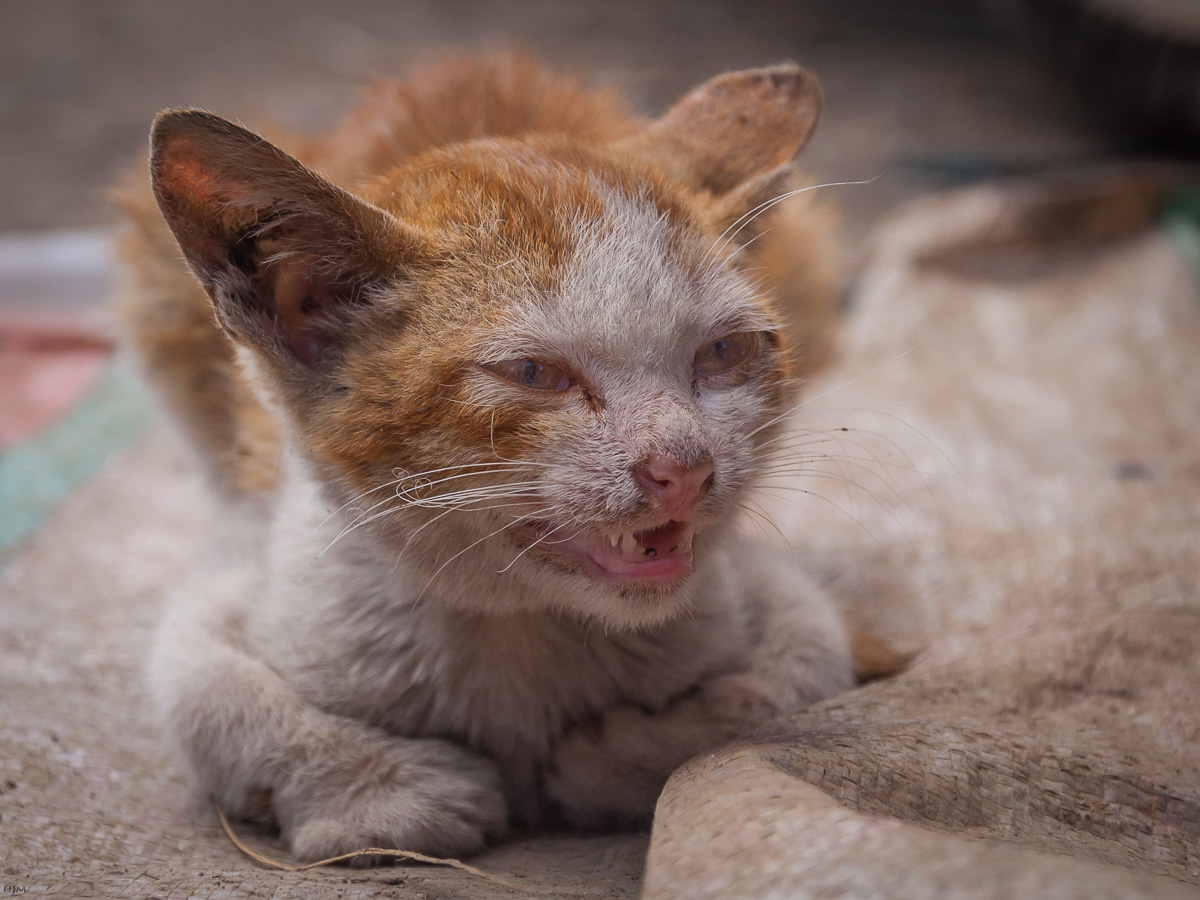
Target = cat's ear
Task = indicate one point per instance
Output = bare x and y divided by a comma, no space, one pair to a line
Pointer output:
736,137
283,252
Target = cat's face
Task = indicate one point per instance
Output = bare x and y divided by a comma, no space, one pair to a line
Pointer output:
523,361
588,387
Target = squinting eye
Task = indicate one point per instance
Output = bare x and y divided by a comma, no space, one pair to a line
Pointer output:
722,355
531,373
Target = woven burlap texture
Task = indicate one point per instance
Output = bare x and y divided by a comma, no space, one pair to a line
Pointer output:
1017,495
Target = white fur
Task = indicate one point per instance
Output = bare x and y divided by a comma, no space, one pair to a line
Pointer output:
362,690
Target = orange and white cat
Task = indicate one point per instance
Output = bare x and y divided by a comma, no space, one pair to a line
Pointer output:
482,384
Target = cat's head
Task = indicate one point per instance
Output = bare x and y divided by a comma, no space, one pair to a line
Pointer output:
530,362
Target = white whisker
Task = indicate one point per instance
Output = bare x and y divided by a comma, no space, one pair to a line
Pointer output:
825,499
832,390
746,218
401,478
473,544
530,547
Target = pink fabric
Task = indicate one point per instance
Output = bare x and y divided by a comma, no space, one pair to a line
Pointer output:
44,369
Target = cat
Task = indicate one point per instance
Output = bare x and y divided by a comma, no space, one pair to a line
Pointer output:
482,386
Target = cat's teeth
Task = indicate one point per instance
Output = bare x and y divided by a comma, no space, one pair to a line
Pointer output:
624,543
630,548
685,540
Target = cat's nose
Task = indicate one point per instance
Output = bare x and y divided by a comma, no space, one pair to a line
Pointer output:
676,486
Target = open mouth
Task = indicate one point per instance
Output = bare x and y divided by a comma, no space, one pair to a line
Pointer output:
656,555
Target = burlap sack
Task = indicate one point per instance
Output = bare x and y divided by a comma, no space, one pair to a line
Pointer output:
1016,494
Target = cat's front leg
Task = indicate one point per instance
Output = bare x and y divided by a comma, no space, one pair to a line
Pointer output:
610,773
352,787
333,784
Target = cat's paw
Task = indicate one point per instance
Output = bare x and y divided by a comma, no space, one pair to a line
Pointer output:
738,702
427,797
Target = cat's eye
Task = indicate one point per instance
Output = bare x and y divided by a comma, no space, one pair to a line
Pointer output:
723,355
531,373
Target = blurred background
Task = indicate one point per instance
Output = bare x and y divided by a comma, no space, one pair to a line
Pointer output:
919,92
919,95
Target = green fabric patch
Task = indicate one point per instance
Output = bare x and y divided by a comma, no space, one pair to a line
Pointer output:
1182,219
37,474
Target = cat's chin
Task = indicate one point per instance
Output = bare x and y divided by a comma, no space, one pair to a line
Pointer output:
657,556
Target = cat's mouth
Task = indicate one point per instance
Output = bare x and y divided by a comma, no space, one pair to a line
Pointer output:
659,554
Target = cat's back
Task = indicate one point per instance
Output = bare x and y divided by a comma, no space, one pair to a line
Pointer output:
463,98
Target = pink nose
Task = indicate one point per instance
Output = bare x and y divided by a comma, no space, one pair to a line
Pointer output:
677,487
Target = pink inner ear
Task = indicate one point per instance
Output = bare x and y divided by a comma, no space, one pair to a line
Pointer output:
191,176
199,200
185,173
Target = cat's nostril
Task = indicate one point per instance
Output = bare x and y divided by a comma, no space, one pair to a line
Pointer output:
677,486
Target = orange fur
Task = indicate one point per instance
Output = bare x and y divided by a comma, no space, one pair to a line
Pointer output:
402,150
532,353
460,99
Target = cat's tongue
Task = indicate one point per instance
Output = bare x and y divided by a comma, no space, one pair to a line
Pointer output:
657,554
